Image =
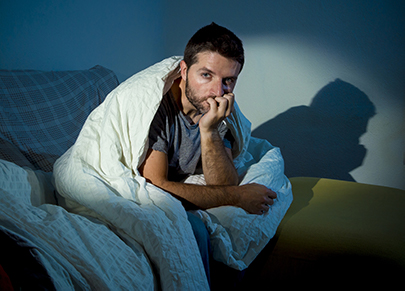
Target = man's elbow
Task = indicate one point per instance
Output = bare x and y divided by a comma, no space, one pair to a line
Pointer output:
234,181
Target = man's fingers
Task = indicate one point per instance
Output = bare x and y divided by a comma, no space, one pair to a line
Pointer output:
231,99
222,106
212,102
222,101
269,200
225,104
271,194
266,207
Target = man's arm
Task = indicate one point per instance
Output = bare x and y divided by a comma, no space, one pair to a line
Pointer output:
254,198
217,162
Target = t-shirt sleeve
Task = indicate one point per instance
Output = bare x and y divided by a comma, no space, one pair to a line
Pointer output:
158,132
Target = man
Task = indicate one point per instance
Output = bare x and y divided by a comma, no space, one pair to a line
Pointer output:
187,135
174,119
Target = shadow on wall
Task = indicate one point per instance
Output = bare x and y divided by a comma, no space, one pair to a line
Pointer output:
322,140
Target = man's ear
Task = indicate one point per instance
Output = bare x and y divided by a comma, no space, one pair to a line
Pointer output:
183,70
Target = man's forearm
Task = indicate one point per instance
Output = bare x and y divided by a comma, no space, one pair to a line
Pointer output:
253,198
218,167
202,196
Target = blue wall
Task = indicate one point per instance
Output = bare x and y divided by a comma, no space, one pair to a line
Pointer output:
122,35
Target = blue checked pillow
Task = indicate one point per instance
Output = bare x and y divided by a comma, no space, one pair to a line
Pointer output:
42,113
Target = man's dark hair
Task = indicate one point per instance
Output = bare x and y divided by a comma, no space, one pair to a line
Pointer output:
214,38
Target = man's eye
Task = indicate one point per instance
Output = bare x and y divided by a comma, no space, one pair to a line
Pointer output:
229,81
205,75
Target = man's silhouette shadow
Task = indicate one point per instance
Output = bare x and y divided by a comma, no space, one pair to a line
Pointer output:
322,140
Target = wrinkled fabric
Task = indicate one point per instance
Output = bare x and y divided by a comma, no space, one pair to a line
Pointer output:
77,254
98,177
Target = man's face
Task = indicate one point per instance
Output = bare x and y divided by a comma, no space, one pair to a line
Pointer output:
211,76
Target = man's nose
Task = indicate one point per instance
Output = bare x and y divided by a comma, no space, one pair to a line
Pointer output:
219,89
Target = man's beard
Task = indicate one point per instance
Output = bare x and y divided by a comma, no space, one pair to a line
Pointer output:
195,100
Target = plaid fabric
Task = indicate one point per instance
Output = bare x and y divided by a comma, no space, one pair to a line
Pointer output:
42,113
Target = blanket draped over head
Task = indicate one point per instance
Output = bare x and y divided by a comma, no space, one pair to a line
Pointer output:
98,177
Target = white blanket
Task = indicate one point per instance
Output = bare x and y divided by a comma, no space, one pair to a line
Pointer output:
98,177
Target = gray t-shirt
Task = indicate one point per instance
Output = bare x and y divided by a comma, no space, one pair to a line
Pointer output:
172,134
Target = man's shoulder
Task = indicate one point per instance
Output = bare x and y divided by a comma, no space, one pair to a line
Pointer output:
168,106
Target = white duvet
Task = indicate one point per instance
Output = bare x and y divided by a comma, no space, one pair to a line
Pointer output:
98,178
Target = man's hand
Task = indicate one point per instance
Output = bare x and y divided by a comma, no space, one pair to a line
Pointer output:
220,108
255,198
